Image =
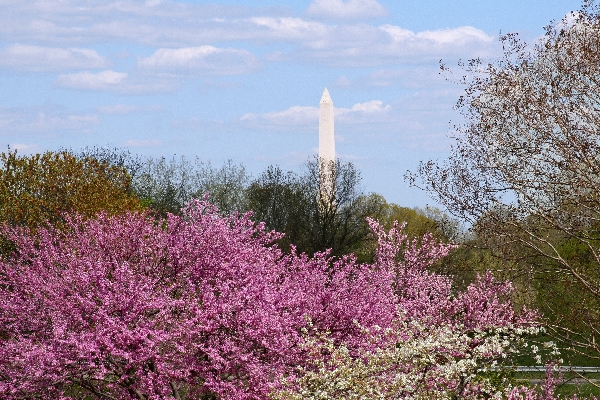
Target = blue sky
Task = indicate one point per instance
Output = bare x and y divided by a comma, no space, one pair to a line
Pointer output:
242,80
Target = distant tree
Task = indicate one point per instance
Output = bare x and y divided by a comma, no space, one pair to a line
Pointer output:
113,156
292,203
525,170
283,201
168,185
420,221
42,188
225,186
340,218
287,202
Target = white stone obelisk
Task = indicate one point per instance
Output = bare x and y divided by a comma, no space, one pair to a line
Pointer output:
326,151
326,138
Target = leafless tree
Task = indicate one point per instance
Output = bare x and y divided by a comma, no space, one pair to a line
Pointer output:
525,167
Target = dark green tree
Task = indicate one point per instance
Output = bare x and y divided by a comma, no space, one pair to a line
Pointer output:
291,203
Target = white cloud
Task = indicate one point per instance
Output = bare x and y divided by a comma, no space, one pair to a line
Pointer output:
455,36
460,35
76,120
296,116
386,77
124,109
177,29
37,58
350,9
286,29
365,46
418,119
307,117
416,77
179,26
361,113
43,120
91,81
114,82
200,60
342,82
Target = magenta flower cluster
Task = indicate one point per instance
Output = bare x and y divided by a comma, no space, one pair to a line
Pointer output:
129,307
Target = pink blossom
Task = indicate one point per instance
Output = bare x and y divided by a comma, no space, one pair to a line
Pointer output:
130,307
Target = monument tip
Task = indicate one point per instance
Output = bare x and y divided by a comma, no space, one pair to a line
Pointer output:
326,98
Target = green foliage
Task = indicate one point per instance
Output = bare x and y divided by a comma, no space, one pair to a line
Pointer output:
41,188
168,185
283,202
466,261
113,156
292,203
566,302
225,186
287,202
419,221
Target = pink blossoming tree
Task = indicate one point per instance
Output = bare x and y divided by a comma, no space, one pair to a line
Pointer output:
125,307
204,306
439,345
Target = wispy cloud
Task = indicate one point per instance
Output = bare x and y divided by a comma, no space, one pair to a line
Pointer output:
362,113
91,81
349,9
167,24
39,59
293,117
202,60
418,120
188,32
142,143
43,120
124,109
307,117
455,37
113,81
367,46
416,77
273,29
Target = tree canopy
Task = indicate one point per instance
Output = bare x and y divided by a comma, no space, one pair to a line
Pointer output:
205,306
42,188
286,201
525,169
291,203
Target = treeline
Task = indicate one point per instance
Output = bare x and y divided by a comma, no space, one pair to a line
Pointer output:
116,281
46,188
42,188
524,172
